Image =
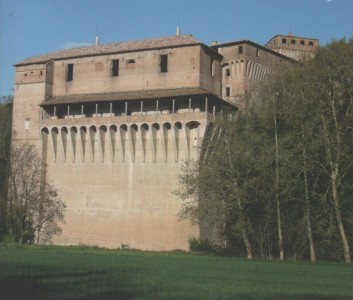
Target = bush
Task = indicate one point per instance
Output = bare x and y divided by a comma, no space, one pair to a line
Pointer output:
199,245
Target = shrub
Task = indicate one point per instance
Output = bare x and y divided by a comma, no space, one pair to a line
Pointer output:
200,245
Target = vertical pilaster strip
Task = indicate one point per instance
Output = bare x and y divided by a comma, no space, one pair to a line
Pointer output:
175,135
73,135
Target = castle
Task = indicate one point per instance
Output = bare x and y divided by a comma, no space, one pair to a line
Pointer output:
114,122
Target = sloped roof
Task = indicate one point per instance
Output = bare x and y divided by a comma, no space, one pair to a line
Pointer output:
138,45
240,42
129,95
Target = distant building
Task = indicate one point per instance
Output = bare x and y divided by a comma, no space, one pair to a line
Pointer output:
114,123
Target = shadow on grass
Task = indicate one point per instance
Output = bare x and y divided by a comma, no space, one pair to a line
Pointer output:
62,285
98,285
291,297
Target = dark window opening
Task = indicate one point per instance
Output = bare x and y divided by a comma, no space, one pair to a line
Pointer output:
164,63
227,91
130,61
115,67
284,41
302,43
311,43
227,72
293,42
70,72
240,49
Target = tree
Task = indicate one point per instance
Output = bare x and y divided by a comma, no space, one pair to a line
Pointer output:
317,114
34,209
332,83
276,177
5,141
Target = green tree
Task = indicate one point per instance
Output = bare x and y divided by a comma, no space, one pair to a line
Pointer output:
313,102
5,141
276,177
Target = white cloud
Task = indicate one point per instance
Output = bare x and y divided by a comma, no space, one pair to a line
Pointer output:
69,45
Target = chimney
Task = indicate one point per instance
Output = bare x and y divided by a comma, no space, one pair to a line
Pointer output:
178,31
97,40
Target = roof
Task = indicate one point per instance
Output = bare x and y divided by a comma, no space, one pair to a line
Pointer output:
123,47
130,95
234,43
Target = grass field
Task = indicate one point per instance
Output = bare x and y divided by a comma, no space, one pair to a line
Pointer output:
89,273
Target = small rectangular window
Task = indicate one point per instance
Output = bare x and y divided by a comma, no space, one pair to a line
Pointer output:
227,91
227,72
115,67
27,123
284,41
212,70
293,42
164,63
311,43
302,43
240,49
69,72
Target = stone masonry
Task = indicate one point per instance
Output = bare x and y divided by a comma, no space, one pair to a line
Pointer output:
115,122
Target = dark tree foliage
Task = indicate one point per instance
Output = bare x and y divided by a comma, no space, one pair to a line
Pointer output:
5,141
275,180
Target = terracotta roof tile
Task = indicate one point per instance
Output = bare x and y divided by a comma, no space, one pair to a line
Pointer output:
130,95
139,45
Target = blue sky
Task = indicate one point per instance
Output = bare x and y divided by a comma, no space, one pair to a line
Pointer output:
33,27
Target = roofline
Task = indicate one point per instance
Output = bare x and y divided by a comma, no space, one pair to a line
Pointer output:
213,51
255,45
202,92
44,61
108,53
297,37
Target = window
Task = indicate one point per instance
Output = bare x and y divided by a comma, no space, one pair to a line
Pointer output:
69,72
293,42
302,43
115,67
212,69
227,91
284,41
163,63
240,49
311,43
227,72
27,123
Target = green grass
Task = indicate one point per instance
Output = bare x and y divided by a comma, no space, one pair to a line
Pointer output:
88,273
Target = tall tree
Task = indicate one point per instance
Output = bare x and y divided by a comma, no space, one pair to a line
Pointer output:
5,141
34,209
279,173
332,83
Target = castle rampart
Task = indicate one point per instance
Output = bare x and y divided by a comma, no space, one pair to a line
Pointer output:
115,122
